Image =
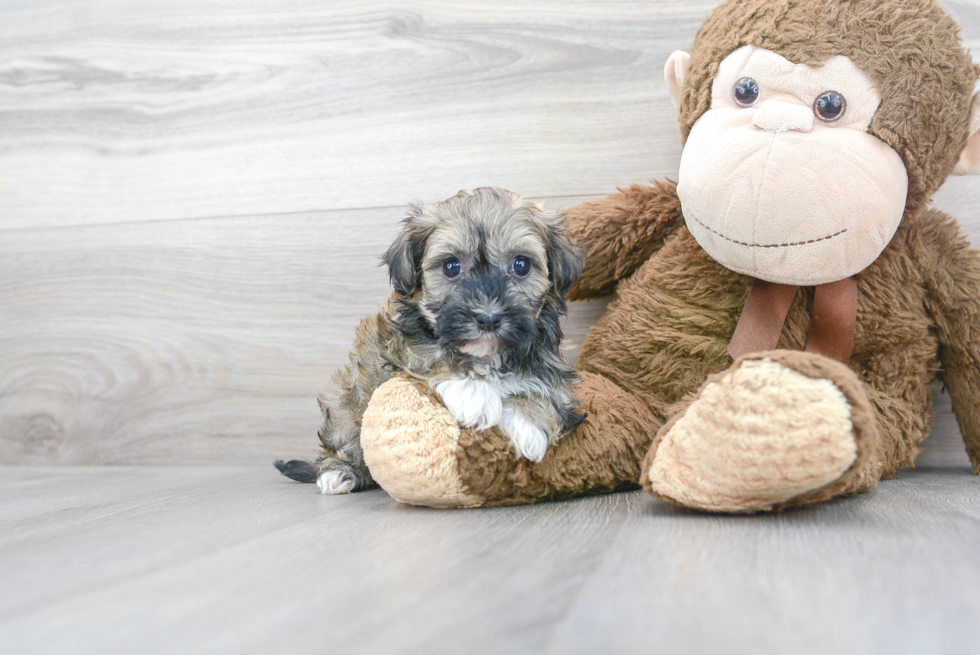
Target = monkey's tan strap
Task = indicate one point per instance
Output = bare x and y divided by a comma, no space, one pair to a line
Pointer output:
833,321
762,318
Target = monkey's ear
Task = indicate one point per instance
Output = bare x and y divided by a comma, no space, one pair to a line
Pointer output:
970,157
565,259
404,257
674,73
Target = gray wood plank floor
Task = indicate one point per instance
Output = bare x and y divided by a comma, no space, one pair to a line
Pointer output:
193,199
239,560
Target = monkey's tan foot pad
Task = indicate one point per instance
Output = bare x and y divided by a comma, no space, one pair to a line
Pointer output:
418,454
776,429
410,441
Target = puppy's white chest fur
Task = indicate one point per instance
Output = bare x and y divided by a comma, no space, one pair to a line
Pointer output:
478,404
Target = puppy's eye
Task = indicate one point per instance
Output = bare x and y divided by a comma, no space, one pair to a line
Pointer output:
746,92
521,266
829,106
452,268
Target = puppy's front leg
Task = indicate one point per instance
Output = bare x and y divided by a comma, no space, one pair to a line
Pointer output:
477,404
474,403
527,427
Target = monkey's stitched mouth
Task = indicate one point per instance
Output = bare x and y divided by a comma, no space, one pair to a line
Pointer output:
770,245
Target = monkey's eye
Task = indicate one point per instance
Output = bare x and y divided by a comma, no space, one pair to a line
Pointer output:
521,266
746,92
829,106
452,268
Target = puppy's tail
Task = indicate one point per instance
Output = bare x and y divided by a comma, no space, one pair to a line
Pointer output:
297,469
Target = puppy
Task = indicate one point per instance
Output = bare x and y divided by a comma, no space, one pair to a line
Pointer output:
479,285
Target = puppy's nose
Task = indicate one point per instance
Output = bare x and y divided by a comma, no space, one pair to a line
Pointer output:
488,322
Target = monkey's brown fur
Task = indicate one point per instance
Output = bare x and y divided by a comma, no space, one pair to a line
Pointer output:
675,314
676,309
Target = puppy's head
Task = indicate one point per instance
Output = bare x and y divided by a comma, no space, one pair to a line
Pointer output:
482,267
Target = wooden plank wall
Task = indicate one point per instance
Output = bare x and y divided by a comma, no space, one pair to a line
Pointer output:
194,195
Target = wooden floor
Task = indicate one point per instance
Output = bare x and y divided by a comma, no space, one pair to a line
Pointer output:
194,197
241,560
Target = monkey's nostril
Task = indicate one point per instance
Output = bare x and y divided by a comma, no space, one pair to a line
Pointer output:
488,322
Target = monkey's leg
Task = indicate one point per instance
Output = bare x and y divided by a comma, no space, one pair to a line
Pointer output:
776,429
418,454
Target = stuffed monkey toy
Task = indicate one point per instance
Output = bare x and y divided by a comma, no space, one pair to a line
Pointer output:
784,310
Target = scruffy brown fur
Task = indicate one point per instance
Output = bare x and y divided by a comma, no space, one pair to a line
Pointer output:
431,328
669,327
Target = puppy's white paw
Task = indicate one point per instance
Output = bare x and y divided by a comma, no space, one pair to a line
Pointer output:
332,483
474,403
529,440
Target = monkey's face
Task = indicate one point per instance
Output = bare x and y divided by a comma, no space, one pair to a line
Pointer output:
780,178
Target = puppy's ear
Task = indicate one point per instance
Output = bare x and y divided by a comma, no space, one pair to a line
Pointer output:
404,256
565,259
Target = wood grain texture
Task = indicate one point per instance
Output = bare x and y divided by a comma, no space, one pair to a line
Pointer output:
240,560
193,197
116,112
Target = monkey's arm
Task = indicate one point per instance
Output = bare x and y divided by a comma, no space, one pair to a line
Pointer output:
620,232
952,270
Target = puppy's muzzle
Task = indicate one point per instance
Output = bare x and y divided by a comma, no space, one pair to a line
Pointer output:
483,299
483,311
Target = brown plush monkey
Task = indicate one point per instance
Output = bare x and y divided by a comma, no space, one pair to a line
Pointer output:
798,241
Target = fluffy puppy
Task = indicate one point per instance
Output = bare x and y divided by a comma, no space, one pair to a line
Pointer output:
479,285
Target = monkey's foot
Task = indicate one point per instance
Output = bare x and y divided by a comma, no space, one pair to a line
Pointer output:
776,429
